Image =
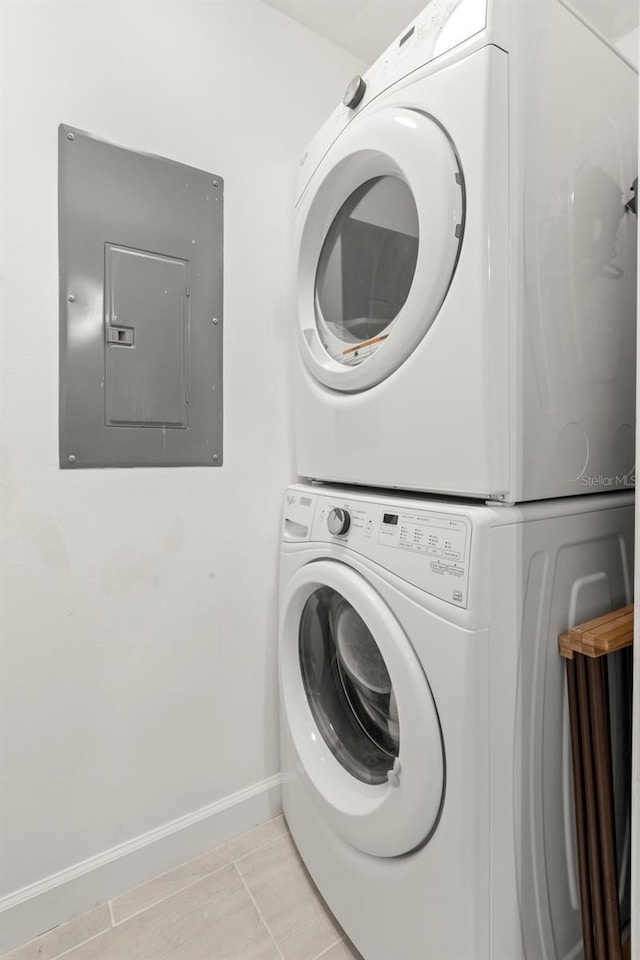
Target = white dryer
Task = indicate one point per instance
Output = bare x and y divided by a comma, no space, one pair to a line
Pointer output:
424,730
466,262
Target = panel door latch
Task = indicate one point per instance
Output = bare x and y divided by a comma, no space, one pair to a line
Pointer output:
123,336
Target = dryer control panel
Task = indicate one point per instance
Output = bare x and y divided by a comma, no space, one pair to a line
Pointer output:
440,29
428,546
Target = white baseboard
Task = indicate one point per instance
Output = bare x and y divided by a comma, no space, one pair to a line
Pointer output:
60,897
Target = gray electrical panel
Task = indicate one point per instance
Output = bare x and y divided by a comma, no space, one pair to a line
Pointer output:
141,245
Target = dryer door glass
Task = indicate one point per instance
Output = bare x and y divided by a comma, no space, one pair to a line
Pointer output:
348,687
366,268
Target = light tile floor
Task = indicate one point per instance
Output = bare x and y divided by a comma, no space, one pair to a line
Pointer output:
249,899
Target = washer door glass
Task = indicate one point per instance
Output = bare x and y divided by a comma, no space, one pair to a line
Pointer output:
366,268
358,711
348,687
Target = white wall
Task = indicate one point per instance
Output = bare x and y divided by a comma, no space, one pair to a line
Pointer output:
364,27
139,620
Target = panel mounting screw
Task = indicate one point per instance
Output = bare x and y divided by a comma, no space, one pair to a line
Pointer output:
71,136
71,458
71,298
214,320
216,183
214,456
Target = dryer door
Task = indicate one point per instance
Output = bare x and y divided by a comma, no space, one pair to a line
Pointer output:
359,711
380,228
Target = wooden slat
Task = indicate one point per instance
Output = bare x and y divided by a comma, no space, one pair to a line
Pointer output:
577,761
595,638
593,840
585,646
603,782
604,619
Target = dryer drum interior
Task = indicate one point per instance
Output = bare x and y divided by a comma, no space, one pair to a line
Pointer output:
366,268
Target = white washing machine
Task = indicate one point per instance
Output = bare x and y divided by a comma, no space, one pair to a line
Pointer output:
424,730
466,262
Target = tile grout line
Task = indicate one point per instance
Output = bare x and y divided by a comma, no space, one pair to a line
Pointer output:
138,913
77,946
258,910
156,903
267,843
261,846
69,949
230,863
330,947
116,923
219,846
191,883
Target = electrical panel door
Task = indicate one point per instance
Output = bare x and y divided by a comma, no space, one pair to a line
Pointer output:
141,243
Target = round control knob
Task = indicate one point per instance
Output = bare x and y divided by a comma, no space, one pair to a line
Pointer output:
338,521
354,92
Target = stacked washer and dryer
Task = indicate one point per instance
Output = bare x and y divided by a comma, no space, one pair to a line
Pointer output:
464,403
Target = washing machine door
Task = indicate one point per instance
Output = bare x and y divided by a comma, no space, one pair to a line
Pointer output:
359,711
380,227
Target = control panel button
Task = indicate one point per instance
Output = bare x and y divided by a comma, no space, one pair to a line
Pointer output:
354,92
338,521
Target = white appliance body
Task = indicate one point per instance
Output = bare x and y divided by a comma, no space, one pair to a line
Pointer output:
452,837
466,263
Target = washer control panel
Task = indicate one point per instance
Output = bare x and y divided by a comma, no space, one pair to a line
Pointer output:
440,537
429,547
338,521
